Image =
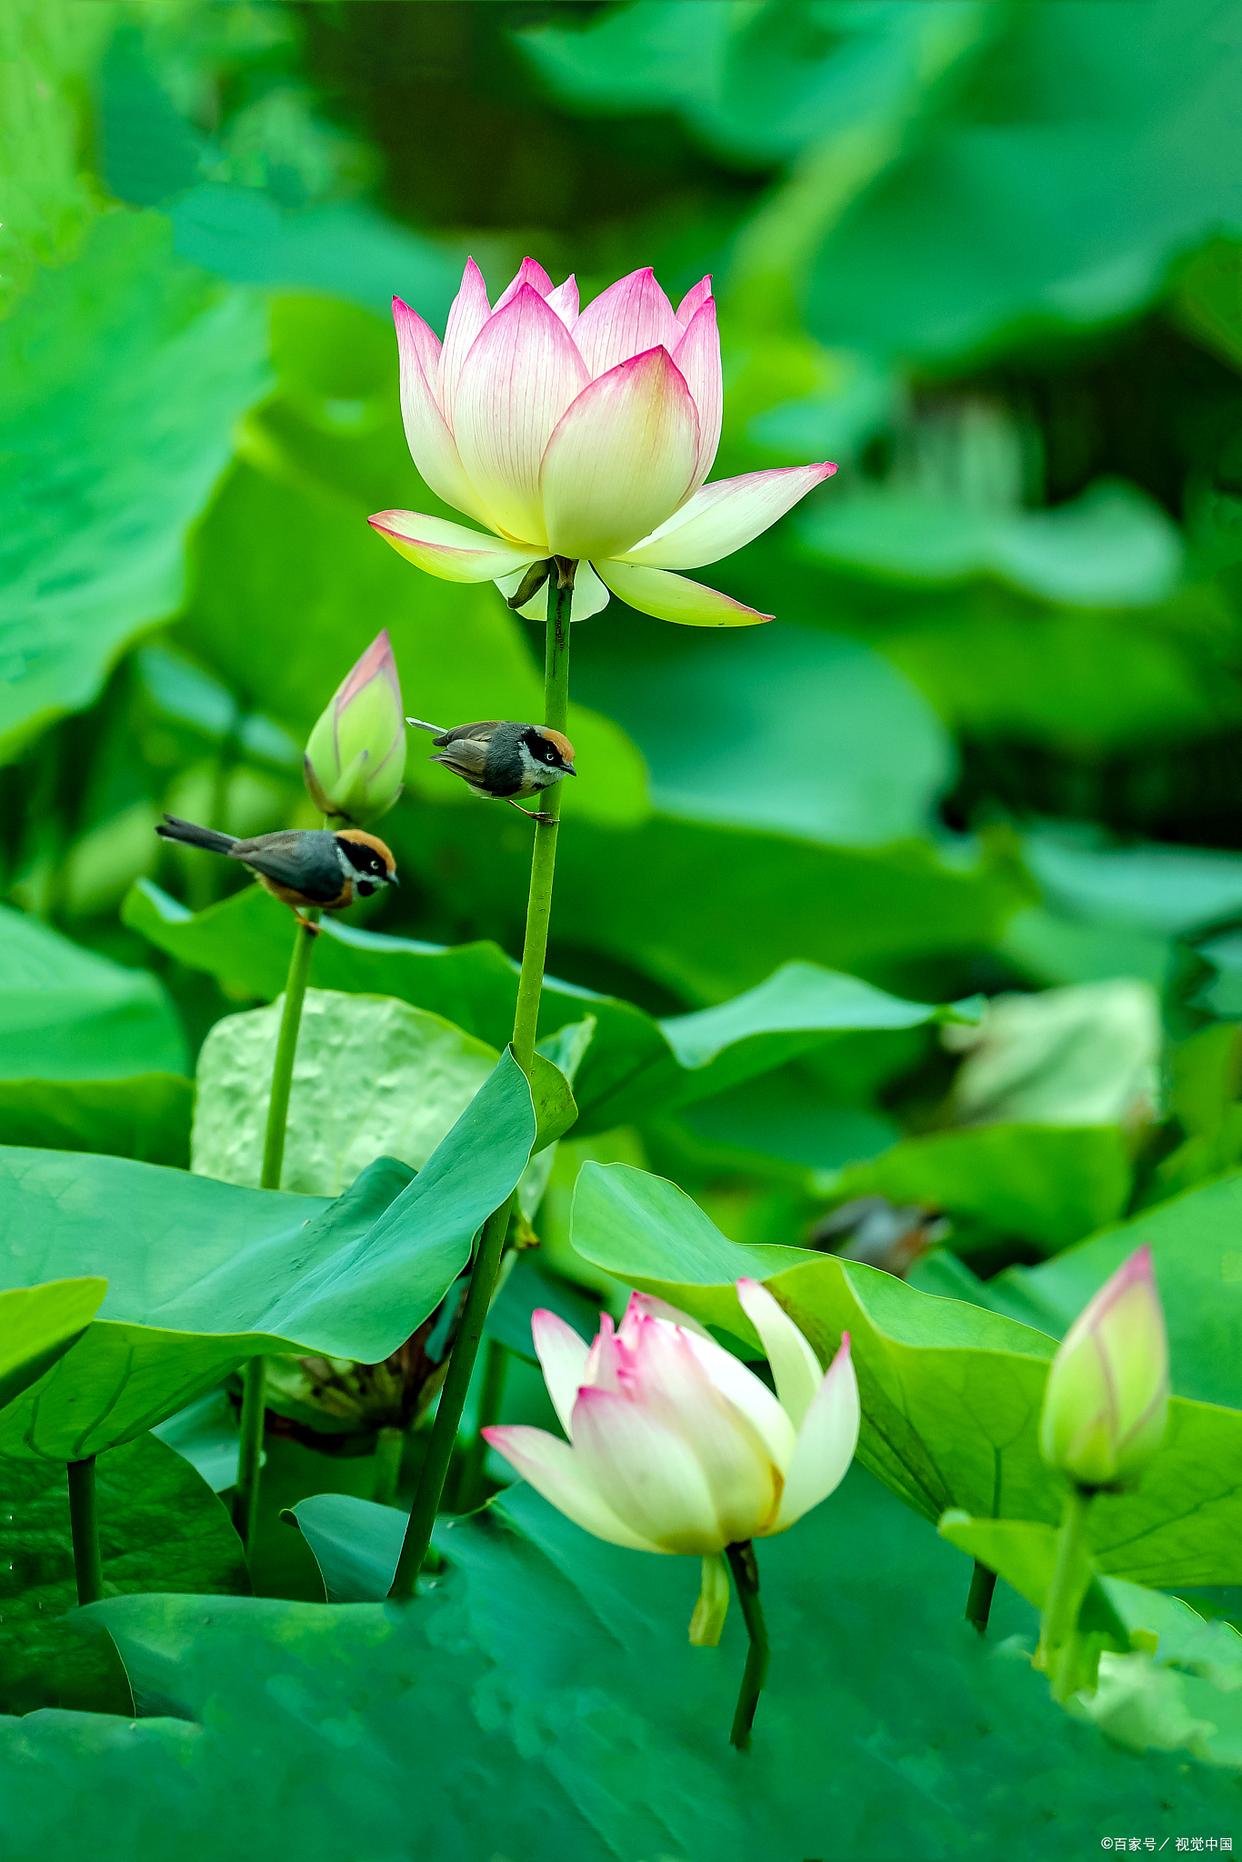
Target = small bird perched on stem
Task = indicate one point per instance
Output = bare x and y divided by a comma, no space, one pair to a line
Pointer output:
504,759
305,868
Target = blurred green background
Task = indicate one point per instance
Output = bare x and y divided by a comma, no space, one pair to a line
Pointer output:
985,255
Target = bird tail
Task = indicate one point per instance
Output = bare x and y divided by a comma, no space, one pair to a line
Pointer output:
170,828
421,724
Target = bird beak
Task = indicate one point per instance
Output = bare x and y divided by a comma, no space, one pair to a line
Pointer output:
570,770
393,880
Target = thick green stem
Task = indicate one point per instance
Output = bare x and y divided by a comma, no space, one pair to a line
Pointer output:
979,1598
1070,1577
491,1243
84,1528
468,1491
250,1448
746,1582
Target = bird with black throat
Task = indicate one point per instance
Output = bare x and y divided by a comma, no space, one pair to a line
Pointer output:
307,869
504,759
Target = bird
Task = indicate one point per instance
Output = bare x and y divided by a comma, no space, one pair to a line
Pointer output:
504,759
305,868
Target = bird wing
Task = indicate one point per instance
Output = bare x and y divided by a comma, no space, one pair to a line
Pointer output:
467,756
466,733
304,859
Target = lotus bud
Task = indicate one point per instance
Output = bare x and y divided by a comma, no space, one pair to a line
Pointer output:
355,757
1106,1404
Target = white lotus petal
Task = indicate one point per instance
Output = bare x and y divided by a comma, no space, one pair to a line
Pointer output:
722,517
521,375
826,1441
553,1469
795,1368
623,452
451,551
562,1358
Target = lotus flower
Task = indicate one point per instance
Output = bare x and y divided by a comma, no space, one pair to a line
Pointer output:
586,436
1106,1404
674,1445
355,756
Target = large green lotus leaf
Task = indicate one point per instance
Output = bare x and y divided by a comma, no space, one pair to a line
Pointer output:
38,1324
71,1014
144,1116
737,734
1107,158
951,1393
92,1052
1113,547
160,1528
372,1077
1040,1184
203,1275
1196,1243
708,910
551,1680
635,1066
99,483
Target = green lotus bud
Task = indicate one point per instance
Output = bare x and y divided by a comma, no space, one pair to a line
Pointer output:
1106,1404
355,758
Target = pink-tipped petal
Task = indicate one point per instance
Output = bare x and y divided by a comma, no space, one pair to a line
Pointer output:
697,355
431,444
564,301
521,375
468,313
530,272
723,517
554,1470
649,1306
419,335
697,294
645,1472
606,1358
450,551
676,1388
826,1441
623,452
675,597
562,1358
795,1368
628,318
589,596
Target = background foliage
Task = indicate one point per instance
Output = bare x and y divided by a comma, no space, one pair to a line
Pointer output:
986,255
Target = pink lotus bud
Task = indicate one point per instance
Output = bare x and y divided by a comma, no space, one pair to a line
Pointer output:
1106,1403
355,756
585,435
675,1445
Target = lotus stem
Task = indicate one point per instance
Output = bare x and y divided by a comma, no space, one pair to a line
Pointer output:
254,1379
491,1244
1064,1599
745,1569
979,1597
84,1529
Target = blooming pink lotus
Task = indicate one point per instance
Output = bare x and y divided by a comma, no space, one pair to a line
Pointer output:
582,435
674,1444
